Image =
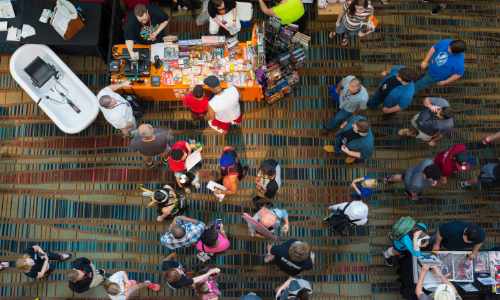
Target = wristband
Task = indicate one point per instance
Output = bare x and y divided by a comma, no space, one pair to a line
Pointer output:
130,50
425,63
234,19
123,84
222,231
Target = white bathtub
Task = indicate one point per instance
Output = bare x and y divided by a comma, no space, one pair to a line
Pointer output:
62,114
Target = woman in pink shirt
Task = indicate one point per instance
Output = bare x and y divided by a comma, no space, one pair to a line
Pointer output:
213,241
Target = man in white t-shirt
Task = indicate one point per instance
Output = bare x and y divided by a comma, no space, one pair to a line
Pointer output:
116,109
224,108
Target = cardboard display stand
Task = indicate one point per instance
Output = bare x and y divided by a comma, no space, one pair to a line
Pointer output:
330,13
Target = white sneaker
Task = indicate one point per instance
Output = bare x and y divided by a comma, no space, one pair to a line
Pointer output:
214,127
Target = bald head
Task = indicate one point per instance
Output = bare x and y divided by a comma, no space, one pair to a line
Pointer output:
178,232
354,86
146,131
267,218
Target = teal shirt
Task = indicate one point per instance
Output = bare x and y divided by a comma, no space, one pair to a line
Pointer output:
364,145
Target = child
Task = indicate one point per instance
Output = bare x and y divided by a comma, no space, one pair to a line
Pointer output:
197,102
365,188
188,179
207,289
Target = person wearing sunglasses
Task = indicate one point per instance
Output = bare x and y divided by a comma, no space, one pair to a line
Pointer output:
433,123
446,64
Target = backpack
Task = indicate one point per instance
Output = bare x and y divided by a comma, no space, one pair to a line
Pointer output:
402,227
338,221
136,103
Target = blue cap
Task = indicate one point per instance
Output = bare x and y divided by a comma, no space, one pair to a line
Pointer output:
227,161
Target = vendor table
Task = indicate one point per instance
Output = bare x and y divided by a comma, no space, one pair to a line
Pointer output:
91,40
8,47
486,289
176,92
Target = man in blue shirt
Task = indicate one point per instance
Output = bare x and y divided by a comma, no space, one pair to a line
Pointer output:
446,64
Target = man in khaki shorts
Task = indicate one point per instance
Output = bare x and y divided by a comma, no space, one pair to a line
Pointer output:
433,123
84,275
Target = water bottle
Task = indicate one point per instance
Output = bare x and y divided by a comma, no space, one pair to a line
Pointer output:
198,146
179,8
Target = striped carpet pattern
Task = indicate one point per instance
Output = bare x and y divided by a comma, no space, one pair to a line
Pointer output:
79,192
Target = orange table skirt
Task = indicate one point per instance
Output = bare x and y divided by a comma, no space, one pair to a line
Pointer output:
176,92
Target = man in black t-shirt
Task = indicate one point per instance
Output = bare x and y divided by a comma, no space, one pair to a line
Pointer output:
223,14
268,180
84,275
292,257
145,26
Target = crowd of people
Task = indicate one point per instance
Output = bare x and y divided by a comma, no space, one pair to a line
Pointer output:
354,140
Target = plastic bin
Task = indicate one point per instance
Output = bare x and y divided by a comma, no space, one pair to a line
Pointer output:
245,11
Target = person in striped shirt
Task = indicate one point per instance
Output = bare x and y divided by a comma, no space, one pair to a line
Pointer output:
353,13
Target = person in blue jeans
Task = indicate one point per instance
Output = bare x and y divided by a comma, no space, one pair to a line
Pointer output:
396,91
446,64
364,189
352,101
414,240
354,139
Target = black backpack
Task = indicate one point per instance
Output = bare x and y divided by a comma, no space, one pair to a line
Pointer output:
136,103
338,221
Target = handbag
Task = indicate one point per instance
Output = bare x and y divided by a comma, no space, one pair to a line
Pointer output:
368,25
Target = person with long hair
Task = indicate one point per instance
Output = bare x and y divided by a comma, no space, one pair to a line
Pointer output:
35,261
294,289
119,287
232,172
412,242
188,180
177,277
349,20
213,241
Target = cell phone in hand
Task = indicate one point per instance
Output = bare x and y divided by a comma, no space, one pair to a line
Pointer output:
218,223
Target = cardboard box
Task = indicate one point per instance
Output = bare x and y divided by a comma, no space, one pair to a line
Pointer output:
330,13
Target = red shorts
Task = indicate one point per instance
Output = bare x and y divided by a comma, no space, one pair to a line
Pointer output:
225,126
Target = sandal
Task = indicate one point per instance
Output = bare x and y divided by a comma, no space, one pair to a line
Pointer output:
152,165
187,190
332,34
402,132
345,41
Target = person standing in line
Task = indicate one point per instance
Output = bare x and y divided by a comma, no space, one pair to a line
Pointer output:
137,31
433,123
119,287
224,107
151,142
289,11
231,171
176,275
116,110
294,289
178,156
452,160
352,102
354,139
457,236
271,219
416,179
84,275
349,20
35,261
357,210
412,242
446,64
212,241
223,14
364,189
268,180
292,257
183,232
490,176
396,91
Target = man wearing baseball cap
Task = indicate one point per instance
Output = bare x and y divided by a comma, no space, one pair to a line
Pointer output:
452,160
223,108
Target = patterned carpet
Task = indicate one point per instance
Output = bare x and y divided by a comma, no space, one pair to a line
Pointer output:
79,192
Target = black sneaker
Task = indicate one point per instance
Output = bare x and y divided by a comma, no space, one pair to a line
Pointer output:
388,261
66,256
152,165
326,131
99,272
256,198
425,1
437,10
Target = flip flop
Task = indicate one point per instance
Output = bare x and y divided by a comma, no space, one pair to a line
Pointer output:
332,34
345,42
402,132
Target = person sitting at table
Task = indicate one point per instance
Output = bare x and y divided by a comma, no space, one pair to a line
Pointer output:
137,30
223,14
290,11
444,291
191,5
116,110
231,172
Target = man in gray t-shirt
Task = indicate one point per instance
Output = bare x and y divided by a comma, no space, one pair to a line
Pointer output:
418,178
150,143
433,123
352,102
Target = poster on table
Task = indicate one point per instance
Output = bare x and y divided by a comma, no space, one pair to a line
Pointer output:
463,268
494,260
446,259
481,262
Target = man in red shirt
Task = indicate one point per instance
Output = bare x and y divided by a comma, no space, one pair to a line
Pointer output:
452,160
197,102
